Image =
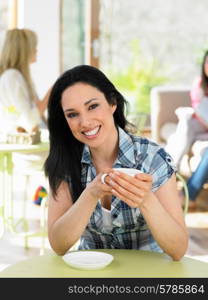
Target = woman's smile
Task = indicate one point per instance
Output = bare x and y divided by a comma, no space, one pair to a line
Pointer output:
92,133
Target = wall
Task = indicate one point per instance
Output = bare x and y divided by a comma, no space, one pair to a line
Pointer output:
44,18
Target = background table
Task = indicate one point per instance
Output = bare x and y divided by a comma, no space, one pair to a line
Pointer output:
126,263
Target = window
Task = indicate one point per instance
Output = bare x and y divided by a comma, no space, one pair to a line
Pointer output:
4,20
147,43
73,34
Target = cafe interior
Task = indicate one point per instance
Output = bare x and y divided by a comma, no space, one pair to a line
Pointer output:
136,47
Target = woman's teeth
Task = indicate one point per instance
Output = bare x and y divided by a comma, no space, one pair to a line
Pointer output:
92,132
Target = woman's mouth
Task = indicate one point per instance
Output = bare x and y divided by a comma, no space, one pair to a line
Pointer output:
90,134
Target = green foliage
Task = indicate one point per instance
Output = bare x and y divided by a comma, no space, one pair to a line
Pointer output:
140,77
200,54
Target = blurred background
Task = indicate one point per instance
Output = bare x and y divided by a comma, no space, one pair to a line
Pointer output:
139,44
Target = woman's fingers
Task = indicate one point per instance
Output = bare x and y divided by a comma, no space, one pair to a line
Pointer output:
127,199
137,180
130,189
103,183
123,186
137,185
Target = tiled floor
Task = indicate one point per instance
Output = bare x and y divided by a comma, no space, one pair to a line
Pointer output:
12,247
197,224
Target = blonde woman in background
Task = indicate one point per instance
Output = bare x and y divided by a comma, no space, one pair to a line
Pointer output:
20,107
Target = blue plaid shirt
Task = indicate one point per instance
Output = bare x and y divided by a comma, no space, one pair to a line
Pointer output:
130,230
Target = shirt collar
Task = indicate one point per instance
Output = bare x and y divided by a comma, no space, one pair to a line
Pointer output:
126,154
86,155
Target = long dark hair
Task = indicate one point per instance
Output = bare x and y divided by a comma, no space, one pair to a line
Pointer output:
64,160
204,77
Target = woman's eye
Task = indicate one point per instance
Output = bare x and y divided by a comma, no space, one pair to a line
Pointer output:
71,115
93,106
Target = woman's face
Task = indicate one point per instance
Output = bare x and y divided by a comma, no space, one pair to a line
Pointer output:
88,114
206,66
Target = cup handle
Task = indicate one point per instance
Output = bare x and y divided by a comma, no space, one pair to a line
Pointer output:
103,178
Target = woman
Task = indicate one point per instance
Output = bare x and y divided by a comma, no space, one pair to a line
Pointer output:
20,108
191,126
197,180
88,138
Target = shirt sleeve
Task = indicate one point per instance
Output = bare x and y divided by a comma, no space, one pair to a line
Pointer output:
162,167
16,98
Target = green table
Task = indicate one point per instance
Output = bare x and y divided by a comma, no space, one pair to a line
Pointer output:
6,170
126,263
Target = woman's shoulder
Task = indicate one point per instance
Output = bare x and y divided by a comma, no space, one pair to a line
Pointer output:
152,149
11,73
144,142
12,78
139,143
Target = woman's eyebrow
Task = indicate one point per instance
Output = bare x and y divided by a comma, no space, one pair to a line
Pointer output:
86,103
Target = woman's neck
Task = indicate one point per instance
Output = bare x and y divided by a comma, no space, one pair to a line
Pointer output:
107,153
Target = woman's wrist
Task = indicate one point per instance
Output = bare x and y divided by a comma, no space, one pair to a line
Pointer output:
88,193
149,201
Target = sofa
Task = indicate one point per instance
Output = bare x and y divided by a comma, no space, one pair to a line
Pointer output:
164,100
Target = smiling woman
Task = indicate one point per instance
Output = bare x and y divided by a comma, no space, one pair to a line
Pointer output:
88,138
91,117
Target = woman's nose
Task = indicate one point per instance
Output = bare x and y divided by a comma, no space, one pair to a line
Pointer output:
84,121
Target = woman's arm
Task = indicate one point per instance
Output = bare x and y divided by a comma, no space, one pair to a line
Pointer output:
161,210
42,104
67,221
164,216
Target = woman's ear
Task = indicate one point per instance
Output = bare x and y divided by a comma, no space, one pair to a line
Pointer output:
113,108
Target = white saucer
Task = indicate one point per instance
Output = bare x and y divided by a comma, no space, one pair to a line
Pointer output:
87,260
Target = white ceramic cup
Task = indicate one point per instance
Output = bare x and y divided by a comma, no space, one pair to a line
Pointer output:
127,171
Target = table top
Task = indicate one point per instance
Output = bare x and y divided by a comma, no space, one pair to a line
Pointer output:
43,146
126,264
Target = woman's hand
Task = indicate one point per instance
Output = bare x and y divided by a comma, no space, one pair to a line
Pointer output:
133,190
42,104
20,129
98,189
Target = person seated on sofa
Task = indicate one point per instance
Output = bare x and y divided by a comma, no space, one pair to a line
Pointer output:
191,126
197,180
